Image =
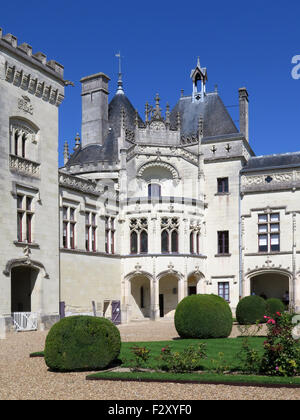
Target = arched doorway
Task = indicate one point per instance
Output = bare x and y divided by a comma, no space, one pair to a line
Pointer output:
23,296
168,295
270,284
195,283
140,299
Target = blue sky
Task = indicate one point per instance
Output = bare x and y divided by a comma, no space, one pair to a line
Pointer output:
241,43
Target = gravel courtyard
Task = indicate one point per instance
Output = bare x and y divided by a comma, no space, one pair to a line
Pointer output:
26,378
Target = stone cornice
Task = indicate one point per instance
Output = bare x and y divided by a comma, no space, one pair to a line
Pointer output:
270,181
78,184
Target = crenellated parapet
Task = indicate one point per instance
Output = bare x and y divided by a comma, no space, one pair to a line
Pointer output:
31,71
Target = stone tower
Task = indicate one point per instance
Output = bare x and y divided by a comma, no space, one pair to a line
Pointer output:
31,90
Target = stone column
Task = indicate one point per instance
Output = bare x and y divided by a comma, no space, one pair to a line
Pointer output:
155,299
297,295
246,286
182,288
126,315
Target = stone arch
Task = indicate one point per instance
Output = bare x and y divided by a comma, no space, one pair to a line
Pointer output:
138,294
269,282
158,164
171,291
24,262
196,279
26,279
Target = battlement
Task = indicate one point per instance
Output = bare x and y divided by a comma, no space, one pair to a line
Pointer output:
10,42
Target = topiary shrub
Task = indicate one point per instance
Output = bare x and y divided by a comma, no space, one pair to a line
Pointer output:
82,343
203,316
251,309
274,305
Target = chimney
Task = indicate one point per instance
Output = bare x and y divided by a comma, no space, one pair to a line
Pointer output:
94,109
244,112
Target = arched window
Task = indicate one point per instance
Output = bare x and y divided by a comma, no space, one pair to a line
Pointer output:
165,242
154,191
23,145
16,141
24,139
192,242
169,235
174,241
133,243
143,242
139,236
198,242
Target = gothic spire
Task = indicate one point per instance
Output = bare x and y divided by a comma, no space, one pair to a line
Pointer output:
120,80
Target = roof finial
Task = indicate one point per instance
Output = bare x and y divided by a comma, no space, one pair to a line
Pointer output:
198,62
66,152
120,81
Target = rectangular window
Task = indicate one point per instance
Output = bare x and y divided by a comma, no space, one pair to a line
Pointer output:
223,186
87,230
263,243
94,238
109,235
69,227
223,242
24,218
223,290
65,234
269,232
72,235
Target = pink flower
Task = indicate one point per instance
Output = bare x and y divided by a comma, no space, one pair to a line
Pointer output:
277,368
163,349
266,317
271,321
278,313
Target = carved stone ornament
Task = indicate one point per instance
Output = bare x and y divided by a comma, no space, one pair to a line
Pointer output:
158,126
24,105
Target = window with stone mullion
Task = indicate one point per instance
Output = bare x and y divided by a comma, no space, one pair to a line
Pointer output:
139,236
169,235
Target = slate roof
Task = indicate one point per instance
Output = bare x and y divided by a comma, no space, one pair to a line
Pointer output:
217,122
216,118
108,152
284,160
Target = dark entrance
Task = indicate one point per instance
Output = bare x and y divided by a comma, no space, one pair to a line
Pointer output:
22,284
192,290
161,306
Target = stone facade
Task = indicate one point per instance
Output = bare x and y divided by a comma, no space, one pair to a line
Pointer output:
144,211
31,90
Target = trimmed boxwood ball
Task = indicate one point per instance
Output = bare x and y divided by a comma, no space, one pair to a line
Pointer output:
274,305
82,343
251,309
203,316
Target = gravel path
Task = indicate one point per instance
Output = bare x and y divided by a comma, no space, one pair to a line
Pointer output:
26,378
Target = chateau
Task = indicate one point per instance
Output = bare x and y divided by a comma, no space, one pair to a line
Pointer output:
145,211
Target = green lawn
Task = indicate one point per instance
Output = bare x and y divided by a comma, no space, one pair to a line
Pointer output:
195,377
229,346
